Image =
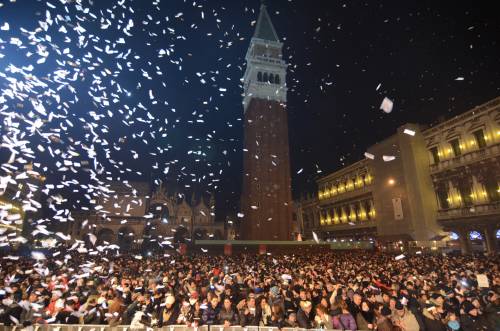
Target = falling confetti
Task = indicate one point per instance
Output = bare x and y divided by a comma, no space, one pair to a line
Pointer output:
409,132
315,237
386,105
399,257
369,156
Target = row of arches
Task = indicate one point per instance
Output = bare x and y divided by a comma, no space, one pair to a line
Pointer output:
268,78
126,237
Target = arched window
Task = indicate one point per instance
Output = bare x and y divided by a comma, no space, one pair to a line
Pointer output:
265,78
271,78
259,76
277,79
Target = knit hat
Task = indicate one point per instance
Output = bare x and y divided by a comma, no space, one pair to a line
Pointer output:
386,311
468,306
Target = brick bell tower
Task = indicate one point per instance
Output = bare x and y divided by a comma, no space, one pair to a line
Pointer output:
266,194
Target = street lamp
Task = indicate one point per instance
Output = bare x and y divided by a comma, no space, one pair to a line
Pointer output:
391,181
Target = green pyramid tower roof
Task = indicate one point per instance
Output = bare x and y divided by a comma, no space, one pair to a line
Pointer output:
265,29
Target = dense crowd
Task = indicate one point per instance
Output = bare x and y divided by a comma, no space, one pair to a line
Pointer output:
344,290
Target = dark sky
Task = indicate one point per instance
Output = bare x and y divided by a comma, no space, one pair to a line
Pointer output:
193,53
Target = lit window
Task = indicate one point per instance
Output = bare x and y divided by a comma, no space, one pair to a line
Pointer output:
271,78
479,137
474,235
455,146
435,154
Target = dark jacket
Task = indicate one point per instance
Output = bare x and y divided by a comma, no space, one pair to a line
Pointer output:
470,323
249,319
173,314
492,315
433,324
384,324
210,315
229,315
67,317
304,320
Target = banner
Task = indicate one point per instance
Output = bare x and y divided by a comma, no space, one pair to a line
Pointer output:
182,249
228,249
398,209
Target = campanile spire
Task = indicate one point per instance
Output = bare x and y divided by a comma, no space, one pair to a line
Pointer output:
266,196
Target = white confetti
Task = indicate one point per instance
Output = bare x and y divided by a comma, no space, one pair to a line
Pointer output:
315,237
409,132
38,255
369,156
386,105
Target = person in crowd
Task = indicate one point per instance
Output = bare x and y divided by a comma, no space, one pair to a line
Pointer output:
383,318
211,313
277,316
342,317
227,314
492,310
249,315
291,320
304,316
365,317
168,312
355,288
404,319
323,320
471,320
266,313
432,318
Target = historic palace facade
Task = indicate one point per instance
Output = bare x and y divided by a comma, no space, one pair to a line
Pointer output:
424,187
131,213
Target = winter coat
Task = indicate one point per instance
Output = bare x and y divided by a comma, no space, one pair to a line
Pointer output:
492,315
210,315
304,320
408,321
171,314
229,315
471,323
249,319
384,324
432,324
361,322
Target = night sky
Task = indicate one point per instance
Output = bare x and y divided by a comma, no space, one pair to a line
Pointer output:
180,108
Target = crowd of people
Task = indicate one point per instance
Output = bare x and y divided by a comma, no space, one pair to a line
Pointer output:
330,290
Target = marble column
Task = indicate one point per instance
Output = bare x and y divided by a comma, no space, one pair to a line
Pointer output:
465,244
490,239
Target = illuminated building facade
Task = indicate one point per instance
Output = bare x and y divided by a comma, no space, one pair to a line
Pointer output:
443,180
130,214
19,206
